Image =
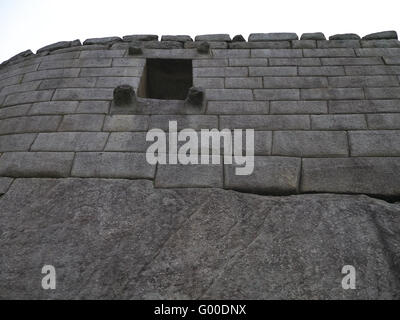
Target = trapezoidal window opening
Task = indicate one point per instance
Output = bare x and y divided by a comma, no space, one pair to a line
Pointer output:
166,79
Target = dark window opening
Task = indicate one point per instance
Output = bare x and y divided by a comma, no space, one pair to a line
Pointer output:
166,79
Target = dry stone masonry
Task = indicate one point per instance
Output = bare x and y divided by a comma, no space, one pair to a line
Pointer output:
326,112
76,189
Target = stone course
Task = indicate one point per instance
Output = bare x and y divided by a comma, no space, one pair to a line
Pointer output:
326,113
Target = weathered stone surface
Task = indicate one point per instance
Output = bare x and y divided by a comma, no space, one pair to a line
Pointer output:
299,107
381,35
323,44
238,107
338,122
36,164
387,43
70,141
60,45
16,142
29,124
82,122
5,184
213,37
195,122
313,36
304,44
260,45
128,141
112,165
266,122
352,175
14,111
106,40
238,38
180,38
383,121
53,107
310,144
140,37
345,36
363,106
272,175
189,176
278,36
126,123
28,97
375,143
321,234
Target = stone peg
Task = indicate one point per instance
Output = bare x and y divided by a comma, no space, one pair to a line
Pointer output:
135,51
204,48
238,38
195,96
124,96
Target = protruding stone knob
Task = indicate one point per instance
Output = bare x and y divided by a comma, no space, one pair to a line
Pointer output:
195,96
124,96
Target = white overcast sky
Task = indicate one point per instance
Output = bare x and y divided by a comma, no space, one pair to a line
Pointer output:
31,24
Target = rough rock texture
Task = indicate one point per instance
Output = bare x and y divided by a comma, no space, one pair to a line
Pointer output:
125,239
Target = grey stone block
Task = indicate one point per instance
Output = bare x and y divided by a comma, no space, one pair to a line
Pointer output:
128,62
140,37
70,141
246,83
127,142
23,87
18,71
382,143
313,36
209,83
295,82
29,124
384,121
391,60
248,62
389,43
76,63
180,38
363,106
59,45
338,122
82,122
83,94
299,107
36,164
10,81
113,82
102,54
276,53
208,63
351,61
332,94
28,97
382,93
112,72
334,52
278,36
210,44
272,71
229,94
195,122
163,45
112,165
238,107
93,107
5,184
373,176
213,37
15,111
371,70
294,61
345,36
363,81
220,72
17,142
338,44
310,144
381,35
105,40
53,107
67,83
322,71
49,74
304,44
126,123
260,45
371,52
189,176
272,175
276,94
265,122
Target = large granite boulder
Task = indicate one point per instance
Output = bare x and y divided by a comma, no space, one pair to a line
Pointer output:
125,239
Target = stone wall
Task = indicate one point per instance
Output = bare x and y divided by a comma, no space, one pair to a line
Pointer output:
326,112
